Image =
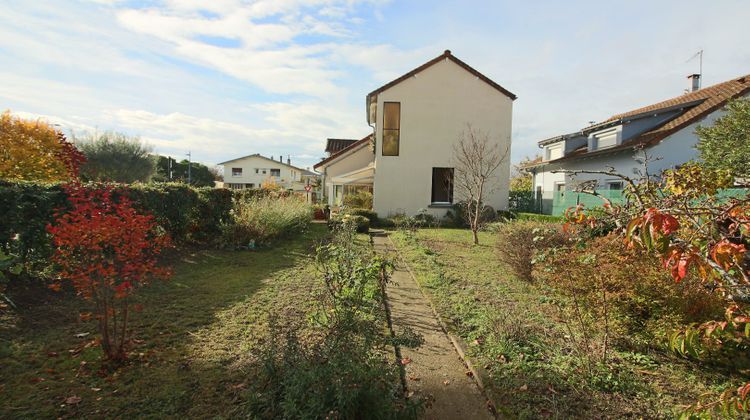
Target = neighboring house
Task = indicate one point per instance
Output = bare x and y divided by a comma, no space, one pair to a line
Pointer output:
251,171
337,145
663,131
416,120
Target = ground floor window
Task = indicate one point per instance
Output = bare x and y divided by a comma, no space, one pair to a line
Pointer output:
354,189
614,185
236,186
442,185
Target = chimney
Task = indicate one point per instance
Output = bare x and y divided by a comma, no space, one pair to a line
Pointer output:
695,82
288,159
281,158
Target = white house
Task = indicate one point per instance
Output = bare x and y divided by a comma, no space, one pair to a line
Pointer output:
664,131
416,120
251,171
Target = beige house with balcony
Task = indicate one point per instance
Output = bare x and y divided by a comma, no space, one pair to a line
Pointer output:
407,162
251,171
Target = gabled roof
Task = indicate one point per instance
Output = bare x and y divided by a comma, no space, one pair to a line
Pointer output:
303,171
692,107
446,55
334,145
357,144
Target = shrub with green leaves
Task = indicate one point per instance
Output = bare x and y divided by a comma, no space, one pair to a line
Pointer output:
348,371
361,223
360,200
189,215
258,220
369,214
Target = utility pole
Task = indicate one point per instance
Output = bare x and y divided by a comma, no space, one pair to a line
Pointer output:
190,176
169,168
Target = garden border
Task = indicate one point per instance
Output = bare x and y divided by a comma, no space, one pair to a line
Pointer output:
479,374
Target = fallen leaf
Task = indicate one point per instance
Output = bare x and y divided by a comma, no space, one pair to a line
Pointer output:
82,335
524,387
96,389
469,373
446,382
551,389
491,407
405,361
72,400
52,354
36,380
414,378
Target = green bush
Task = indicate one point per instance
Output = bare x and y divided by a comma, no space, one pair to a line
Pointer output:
173,205
362,200
506,216
187,214
538,217
362,223
369,214
456,216
258,220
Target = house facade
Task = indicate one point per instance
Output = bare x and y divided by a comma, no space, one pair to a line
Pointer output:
253,170
663,132
416,120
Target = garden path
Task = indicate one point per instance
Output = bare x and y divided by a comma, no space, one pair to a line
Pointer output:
435,370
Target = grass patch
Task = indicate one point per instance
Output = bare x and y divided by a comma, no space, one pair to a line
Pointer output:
514,329
196,339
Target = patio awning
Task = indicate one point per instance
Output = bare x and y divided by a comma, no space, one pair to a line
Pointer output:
360,176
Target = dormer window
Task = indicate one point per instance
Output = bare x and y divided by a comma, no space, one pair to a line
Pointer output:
606,138
555,151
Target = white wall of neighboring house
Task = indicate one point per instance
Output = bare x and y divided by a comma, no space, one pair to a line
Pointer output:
436,105
256,169
671,152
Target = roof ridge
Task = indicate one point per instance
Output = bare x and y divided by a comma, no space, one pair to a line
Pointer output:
445,55
702,93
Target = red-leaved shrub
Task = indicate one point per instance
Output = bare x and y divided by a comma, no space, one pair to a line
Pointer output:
107,250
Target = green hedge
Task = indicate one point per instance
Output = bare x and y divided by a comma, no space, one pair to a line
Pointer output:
539,217
189,215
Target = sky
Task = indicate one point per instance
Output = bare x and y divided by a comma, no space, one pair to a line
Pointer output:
228,78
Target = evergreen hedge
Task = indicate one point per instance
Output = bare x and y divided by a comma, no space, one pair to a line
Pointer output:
189,215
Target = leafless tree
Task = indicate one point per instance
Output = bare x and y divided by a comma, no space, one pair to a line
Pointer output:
477,160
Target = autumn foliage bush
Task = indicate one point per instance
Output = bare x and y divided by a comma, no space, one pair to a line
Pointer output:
683,223
107,250
33,150
520,242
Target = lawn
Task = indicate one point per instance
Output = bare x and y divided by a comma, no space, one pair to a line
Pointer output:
513,329
196,339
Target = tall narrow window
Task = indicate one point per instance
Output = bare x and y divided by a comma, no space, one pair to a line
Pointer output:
391,128
442,185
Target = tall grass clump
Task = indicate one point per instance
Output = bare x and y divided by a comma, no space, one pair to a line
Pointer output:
259,220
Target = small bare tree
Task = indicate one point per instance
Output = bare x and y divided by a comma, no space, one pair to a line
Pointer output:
477,159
